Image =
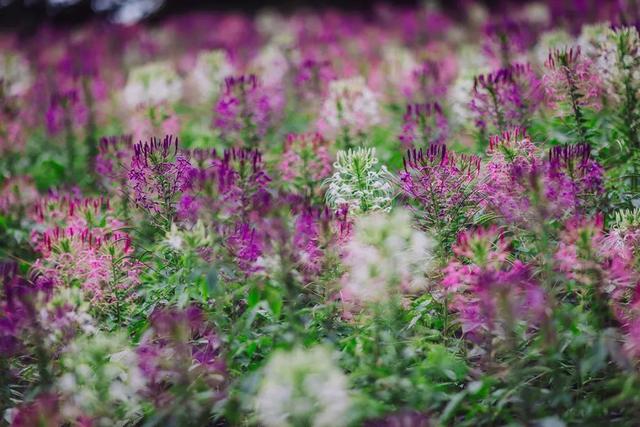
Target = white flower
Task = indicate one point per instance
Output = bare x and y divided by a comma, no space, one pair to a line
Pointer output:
399,64
350,107
386,255
358,183
555,39
271,65
152,84
208,74
15,74
101,379
303,387
617,60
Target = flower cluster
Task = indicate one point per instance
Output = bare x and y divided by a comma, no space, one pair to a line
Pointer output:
303,387
386,256
357,183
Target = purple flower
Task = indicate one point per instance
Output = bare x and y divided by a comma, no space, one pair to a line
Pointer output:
245,111
423,125
505,98
157,176
441,183
179,354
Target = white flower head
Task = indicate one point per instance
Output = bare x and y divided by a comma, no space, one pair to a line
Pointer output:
386,255
101,379
271,64
303,387
152,84
550,40
351,107
208,74
359,183
15,75
617,60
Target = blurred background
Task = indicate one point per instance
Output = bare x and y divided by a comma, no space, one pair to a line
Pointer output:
24,15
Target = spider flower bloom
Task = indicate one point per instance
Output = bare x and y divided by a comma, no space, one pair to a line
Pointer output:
441,183
152,84
313,77
358,183
245,111
181,348
619,66
386,256
604,264
571,82
114,158
521,185
15,75
505,98
575,162
206,79
101,380
423,125
101,264
306,162
490,294
303,387
506,41
431,80
233,186
157,176
245,246
350,110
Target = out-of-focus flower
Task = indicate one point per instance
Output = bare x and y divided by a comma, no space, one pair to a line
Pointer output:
15,75
43,410
17,194
245,111
303,387
358,183
521,185
313,78
490,294
180,357
398,67
557,39
206,79
152,84
101,381
423,125
272,65
592,39
305,163
386,256
571,84
506,41
351,109
505,98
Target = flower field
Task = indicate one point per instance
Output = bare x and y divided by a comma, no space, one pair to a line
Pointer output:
401,217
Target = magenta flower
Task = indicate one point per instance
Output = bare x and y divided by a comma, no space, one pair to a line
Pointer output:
521,185
305,163
505,98
424,125
180,349
157,176
489,294
571,85
245,111
245,246
441,183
